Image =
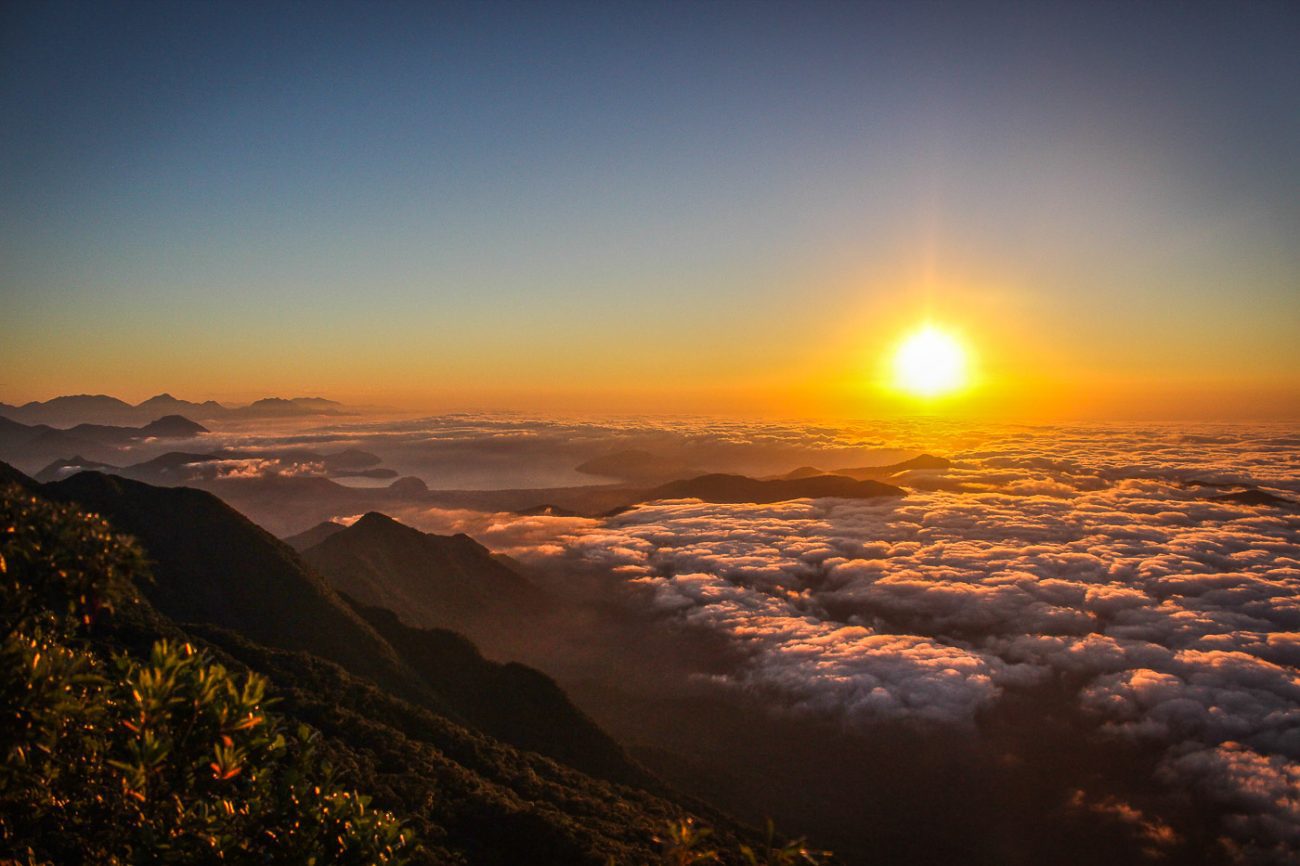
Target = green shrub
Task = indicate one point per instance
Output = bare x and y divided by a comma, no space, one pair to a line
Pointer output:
685,844
167,759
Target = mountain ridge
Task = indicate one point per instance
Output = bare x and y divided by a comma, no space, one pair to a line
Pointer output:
447,581
725,488
103,409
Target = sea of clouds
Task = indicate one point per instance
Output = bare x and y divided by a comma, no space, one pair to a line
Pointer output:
1096,557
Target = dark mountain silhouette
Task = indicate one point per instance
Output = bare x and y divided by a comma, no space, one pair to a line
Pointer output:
167,469
187,467
67,466
365,473
434,580
470,797
510,701
546,510
320,404
38,444
351,458
10,475
167,427
1254,497
74,409
314,536
34,445
408,486
923,461
105,410
863,473
212,564
279,407
173,427
802,472
739,488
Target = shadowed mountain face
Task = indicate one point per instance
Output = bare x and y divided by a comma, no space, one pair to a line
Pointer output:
75,409
440,580
314,536
166,403
211,564
511,701
738,488
65,467
1254,497
471,798
10,475
34,445
350,459
166,427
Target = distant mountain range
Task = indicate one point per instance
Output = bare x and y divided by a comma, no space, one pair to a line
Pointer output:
37,443
186,467
102,409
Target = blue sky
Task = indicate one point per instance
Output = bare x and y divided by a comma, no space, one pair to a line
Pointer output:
675,205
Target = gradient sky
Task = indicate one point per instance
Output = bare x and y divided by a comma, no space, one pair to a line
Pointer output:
704,207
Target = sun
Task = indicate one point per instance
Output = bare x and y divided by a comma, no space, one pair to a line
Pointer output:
930,362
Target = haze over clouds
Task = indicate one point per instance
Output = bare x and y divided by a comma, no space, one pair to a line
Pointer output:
1089,557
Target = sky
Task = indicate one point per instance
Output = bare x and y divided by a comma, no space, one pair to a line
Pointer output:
732,208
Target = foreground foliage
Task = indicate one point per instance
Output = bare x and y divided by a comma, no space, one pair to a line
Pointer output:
127,739
685,844
165,759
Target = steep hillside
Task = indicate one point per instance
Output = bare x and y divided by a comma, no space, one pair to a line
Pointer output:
431,580
512,702
211,564
471,798
314,536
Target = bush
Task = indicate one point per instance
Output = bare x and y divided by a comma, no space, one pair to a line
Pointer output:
686,844
167,759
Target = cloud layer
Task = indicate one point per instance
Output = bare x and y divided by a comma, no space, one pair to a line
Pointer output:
1094,558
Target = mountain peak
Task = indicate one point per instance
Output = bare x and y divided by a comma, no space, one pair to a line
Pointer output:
378,518
314,536
376,524
174,426
435,580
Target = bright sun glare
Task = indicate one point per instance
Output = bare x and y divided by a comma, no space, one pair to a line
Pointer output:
930,362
